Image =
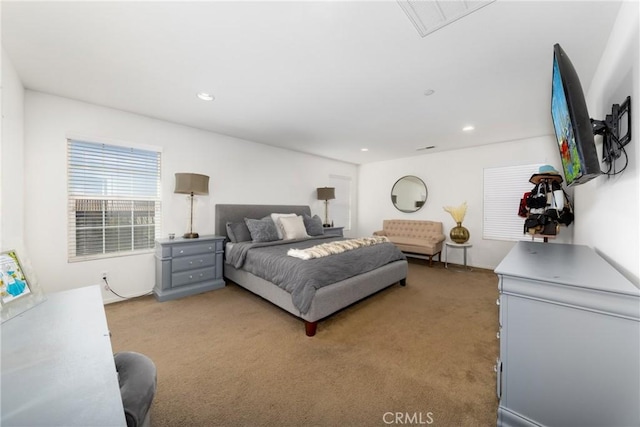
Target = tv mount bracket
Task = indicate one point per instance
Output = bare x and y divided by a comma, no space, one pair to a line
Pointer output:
610,128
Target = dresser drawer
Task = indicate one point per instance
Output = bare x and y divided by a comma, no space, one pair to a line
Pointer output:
195,248
193,262
194,276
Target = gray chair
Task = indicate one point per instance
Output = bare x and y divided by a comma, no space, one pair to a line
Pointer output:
138,381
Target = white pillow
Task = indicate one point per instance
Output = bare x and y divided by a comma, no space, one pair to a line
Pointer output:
293,228
275,217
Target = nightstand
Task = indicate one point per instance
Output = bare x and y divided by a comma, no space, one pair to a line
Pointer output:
188,266
333,231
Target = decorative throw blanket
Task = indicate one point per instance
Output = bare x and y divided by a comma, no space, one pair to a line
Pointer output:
337,247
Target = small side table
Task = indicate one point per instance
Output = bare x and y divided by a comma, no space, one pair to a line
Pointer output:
463,246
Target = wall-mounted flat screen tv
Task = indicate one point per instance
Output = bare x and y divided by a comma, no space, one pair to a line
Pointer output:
572,123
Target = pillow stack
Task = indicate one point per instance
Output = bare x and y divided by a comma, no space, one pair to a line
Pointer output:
276,226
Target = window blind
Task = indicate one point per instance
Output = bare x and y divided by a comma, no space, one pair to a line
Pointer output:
503,189
114,203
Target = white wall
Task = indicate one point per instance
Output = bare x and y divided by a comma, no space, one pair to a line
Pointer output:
12,160
239,171
608,214
452,177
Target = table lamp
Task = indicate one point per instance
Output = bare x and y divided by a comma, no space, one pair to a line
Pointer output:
326,194
192,184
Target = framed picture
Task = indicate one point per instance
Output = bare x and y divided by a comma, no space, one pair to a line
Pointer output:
17,293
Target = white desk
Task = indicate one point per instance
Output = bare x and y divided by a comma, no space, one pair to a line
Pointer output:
57,364
463,246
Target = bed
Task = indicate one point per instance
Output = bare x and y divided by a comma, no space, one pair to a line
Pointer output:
326,299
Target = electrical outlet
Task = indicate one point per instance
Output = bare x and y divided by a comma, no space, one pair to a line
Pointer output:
105,278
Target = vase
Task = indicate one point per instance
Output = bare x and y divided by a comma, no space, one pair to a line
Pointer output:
459,234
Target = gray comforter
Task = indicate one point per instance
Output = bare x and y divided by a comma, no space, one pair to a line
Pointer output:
301,278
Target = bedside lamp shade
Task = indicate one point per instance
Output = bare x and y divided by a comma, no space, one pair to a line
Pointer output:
191,184
326,194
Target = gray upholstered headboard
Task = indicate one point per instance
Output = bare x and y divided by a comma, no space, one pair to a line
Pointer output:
237,213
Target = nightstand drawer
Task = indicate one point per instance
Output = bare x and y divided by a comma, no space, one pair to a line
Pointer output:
333,231
194,276
195,248
192,262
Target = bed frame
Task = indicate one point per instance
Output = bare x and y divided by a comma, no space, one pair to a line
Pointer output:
328,299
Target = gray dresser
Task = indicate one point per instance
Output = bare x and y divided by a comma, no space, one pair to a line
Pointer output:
569,339
188,266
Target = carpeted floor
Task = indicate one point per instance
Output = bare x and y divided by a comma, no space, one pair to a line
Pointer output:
420,354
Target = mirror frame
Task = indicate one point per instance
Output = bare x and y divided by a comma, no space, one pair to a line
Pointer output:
419,203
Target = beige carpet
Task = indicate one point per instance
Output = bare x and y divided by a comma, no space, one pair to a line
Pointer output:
423,353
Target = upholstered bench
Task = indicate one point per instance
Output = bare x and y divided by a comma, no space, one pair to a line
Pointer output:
416,238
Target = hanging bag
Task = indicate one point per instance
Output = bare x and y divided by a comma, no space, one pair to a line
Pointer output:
522,209
565,216
537,199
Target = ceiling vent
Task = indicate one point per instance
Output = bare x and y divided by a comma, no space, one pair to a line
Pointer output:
431,15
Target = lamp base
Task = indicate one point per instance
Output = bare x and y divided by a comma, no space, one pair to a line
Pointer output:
190,235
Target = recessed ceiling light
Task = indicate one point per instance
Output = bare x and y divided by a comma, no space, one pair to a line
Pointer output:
468,128
364,149
429,92
205,96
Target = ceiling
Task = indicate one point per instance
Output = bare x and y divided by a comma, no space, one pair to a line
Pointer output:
327,78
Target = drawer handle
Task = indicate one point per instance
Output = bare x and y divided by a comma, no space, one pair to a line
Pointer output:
190,262
201,274
498,335
190,277
181,251
498,370
498,301
201,261
210,247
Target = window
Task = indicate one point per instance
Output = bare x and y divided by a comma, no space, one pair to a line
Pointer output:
114,200
503,189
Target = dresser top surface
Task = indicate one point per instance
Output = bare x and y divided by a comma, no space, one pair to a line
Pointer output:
573,265
180,239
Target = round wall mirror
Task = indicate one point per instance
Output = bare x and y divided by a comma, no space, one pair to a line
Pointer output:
409,194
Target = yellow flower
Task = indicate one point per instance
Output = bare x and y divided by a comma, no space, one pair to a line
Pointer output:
457,212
